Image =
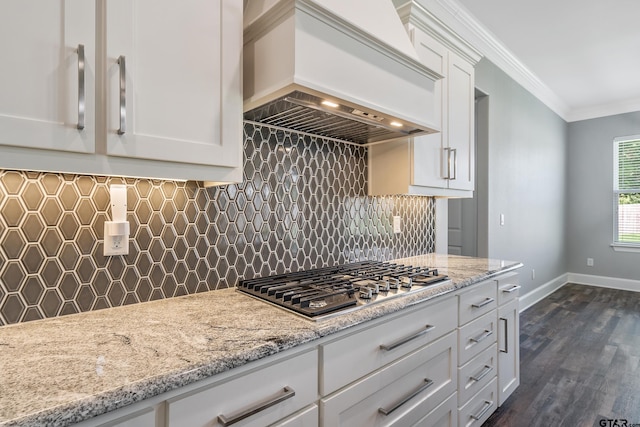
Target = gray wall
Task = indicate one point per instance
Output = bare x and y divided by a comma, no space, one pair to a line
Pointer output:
526,178
590,213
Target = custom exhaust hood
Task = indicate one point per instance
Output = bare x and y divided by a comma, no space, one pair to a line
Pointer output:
340,69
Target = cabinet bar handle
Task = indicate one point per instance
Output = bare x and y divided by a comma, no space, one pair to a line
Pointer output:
427,383
455,163
483,336
488,300
81,98
389,347
485,408
286,393
506,336
485,371
448,150
123,95
511,289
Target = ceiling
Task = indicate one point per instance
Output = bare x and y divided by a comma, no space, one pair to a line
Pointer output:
580,57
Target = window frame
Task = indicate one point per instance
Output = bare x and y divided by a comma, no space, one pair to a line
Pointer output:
618,245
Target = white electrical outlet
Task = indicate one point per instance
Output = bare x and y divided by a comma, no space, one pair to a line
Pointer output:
397,225
116,232
589,262
501,219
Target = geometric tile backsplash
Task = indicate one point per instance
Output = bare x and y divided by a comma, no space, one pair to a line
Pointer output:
302,204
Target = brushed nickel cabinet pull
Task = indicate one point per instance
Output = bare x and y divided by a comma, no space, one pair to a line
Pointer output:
286,393
448,150
506,336
511,289
123,95
81,89
485,408
427,383
483,336
455,163
483,373
483,303
389,347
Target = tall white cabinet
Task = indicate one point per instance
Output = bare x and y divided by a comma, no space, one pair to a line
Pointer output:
123,87
441,164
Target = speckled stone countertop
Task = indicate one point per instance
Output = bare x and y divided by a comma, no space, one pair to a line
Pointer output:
56,372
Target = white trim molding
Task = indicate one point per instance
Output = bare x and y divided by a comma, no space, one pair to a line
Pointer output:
462,22
541,292
604,282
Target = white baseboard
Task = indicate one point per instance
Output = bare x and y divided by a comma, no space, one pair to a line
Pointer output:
604,282
543,291
550,287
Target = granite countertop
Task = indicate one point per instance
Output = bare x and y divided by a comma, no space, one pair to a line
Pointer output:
64,370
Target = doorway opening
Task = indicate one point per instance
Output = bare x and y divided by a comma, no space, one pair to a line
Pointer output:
468,219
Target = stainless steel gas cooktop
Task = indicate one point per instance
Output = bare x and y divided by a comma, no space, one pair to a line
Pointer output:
326,292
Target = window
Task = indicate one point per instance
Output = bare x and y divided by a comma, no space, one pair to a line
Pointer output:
626,189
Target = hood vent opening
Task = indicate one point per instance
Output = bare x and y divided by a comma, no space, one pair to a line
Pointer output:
329,118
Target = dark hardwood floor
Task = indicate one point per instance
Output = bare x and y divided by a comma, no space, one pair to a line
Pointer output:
579,361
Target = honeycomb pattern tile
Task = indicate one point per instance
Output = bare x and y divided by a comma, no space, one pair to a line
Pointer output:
302,204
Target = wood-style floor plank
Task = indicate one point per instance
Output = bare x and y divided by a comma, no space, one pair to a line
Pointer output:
579,360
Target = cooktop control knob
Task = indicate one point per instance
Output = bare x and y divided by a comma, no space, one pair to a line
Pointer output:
365,293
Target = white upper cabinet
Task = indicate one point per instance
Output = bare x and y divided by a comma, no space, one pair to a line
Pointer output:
162,88
47,79
440,164
171,81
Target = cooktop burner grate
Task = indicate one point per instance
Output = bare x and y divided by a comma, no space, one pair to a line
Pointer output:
324,292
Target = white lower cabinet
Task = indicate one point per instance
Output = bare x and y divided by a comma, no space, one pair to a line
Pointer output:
401,393
508,350
479,407
256,399
307,417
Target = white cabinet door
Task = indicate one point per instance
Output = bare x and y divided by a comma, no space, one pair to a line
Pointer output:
508,350
178,96
461,145
429,150
40,78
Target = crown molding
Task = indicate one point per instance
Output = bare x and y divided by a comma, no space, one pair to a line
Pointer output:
593,112
460,21
414,14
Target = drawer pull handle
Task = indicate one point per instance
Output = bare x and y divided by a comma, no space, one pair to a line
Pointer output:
489,300
81,98
511,289
123,94
286,393
485,371
389,347
483,336
485,408
427,383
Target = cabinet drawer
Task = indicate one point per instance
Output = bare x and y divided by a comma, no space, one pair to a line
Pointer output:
477,373
480,407
356,355
477,336
445,415
480,300
406,390
306,418
251,392
508,288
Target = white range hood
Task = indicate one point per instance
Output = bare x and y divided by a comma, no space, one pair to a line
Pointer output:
343,69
